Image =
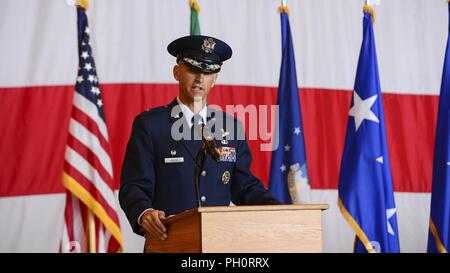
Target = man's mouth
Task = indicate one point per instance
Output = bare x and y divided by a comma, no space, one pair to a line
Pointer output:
197,88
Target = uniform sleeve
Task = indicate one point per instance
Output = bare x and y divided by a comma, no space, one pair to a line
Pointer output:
246,189
138,176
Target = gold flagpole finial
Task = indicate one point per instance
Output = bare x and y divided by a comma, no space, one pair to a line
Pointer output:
83,3
195,5
284,8
370,10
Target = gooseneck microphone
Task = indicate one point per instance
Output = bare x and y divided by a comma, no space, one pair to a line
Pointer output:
208,141
208,146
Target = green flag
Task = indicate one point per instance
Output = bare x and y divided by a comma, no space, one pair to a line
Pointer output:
195,24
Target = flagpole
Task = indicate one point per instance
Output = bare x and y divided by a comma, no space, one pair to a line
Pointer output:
90,216
91,230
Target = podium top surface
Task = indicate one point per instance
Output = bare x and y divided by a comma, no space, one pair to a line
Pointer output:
263,208
215,209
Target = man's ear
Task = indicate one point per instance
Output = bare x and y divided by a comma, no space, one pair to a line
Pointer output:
176,72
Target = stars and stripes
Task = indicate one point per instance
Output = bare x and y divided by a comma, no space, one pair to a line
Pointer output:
91,219
366,197
288,165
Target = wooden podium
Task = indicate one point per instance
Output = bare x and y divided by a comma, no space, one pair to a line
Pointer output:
243,229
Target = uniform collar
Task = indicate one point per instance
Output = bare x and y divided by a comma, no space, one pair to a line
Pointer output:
188,114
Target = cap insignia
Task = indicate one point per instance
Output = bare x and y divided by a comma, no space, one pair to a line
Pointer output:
208,45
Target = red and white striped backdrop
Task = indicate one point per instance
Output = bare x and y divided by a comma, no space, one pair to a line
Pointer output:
38,70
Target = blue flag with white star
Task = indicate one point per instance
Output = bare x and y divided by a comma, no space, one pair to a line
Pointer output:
439,225
366,197
289,157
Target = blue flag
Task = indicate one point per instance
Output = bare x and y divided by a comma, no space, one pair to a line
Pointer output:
366,197
438,238
289,157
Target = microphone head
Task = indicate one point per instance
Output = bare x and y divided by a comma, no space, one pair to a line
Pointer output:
208,139
207,134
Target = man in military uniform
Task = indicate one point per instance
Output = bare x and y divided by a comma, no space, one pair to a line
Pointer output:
158,169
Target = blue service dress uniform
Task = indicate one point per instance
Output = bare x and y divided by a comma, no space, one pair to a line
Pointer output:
158,171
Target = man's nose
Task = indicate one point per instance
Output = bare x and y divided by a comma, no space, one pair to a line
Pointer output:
200,77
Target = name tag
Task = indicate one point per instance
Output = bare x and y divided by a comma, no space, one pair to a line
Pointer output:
174,160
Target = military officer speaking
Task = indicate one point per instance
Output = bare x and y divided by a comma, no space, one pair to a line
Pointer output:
158,169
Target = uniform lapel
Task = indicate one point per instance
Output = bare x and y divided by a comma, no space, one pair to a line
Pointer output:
191,146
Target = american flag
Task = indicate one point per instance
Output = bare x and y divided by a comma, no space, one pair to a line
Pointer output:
91,223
